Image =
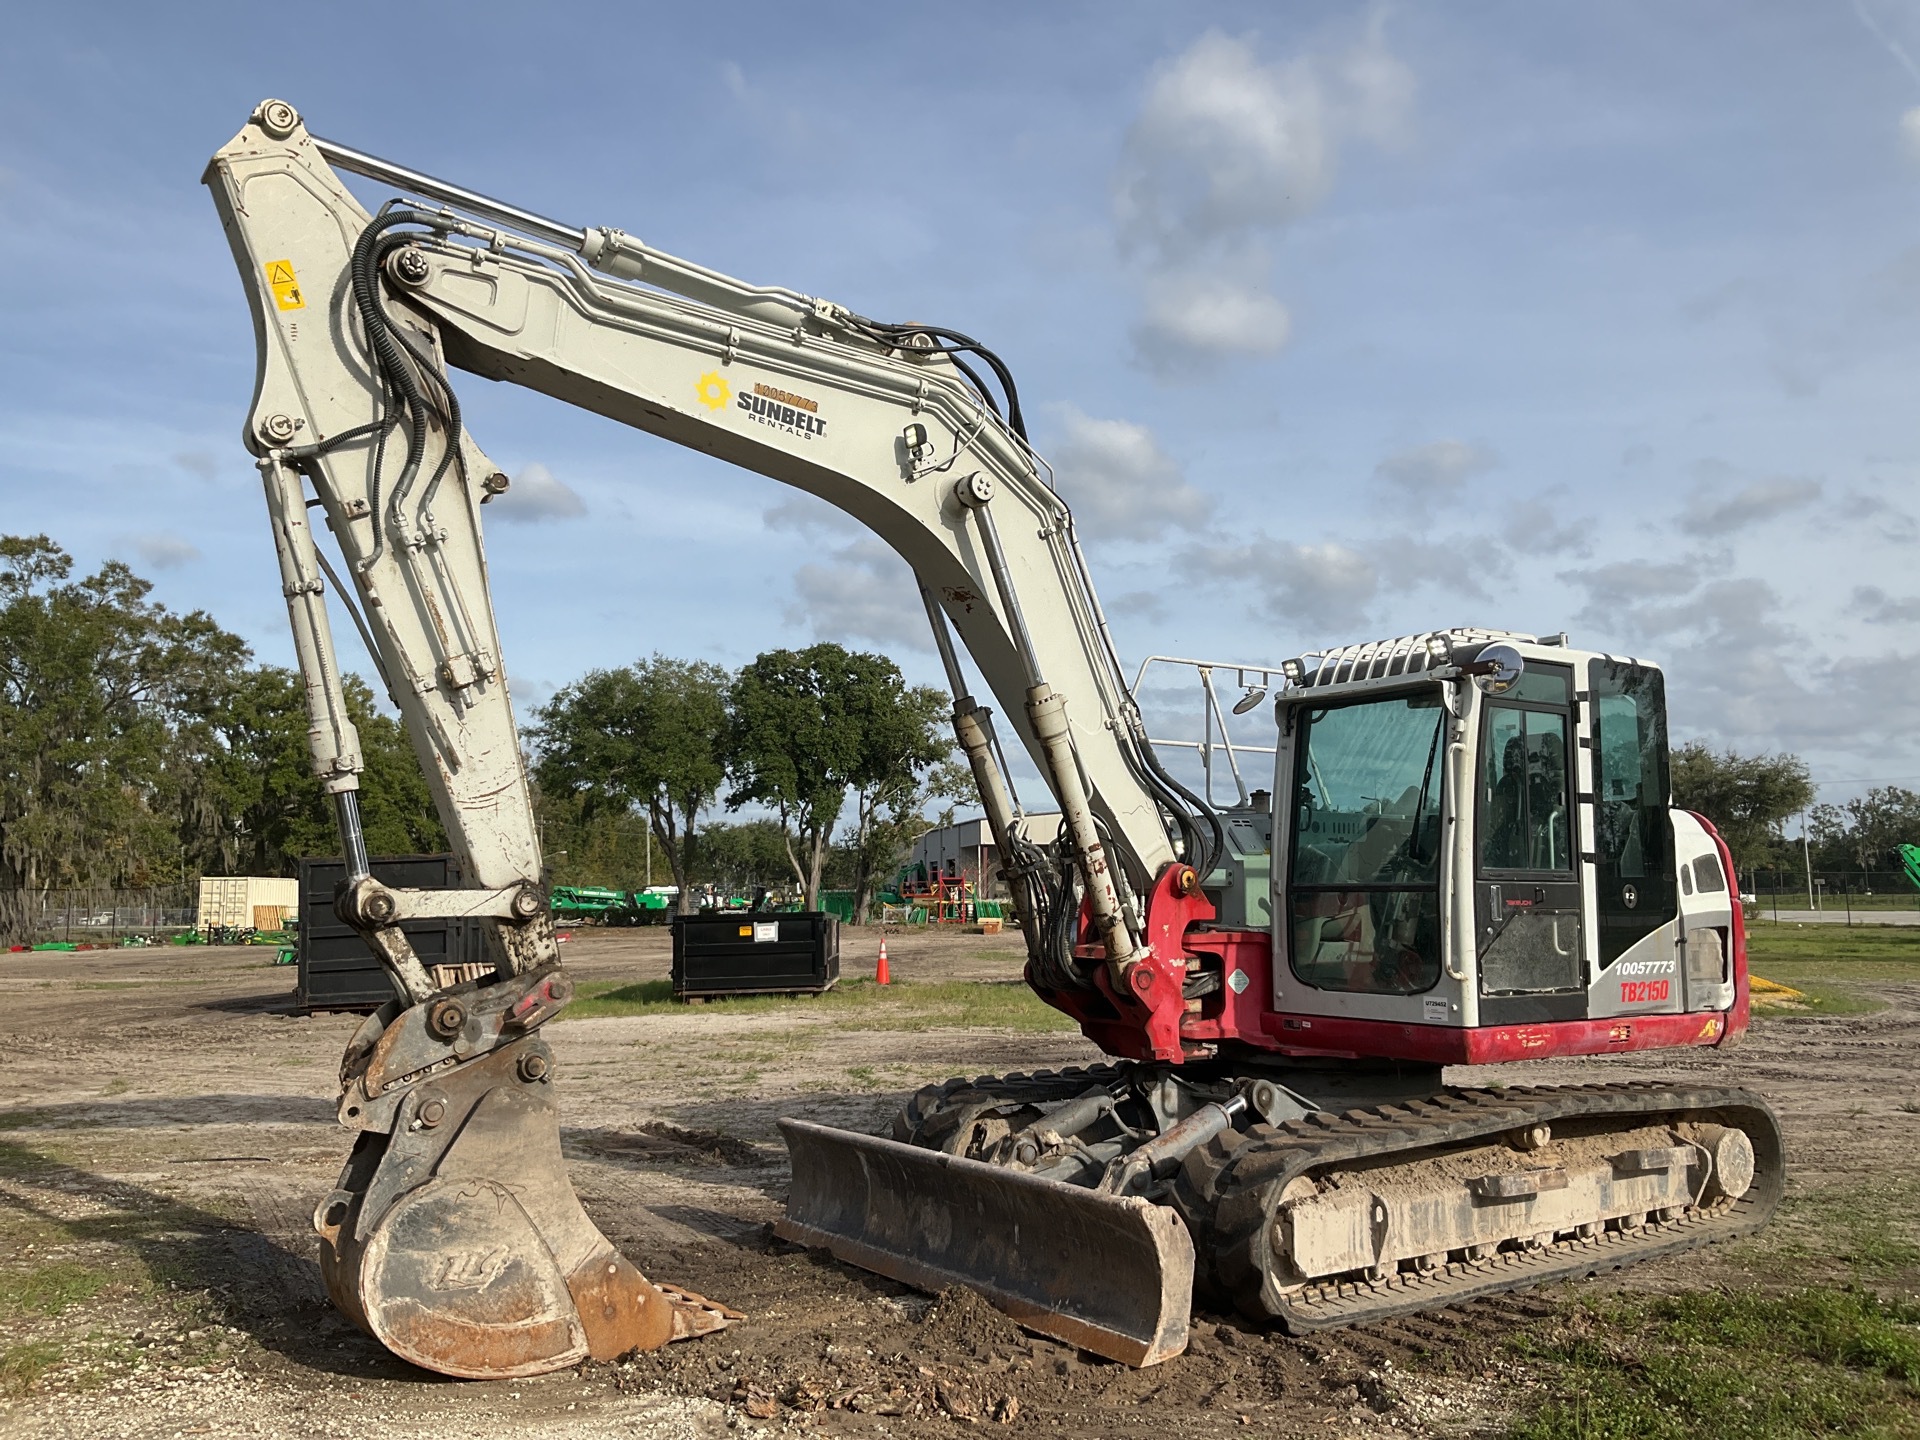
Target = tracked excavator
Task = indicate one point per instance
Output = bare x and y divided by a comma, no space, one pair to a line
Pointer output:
1467,855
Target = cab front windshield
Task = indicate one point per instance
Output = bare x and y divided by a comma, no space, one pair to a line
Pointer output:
1364,882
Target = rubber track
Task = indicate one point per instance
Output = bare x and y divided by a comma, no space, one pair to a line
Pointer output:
1227,1192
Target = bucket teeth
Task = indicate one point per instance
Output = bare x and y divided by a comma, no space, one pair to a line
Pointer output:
460,1245
694,1314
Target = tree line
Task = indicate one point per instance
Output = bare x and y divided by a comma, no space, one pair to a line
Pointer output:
1751,799
806,736
143,746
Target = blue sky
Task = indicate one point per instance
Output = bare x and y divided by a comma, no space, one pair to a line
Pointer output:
1339,320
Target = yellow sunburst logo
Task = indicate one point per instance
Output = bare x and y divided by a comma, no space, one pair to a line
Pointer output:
713,390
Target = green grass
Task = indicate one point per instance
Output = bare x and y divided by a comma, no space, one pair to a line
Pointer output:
1834,902
1834,952
1823,961
850,1005
22,1365
50,1289
1860,1229
1815,999
1715,1366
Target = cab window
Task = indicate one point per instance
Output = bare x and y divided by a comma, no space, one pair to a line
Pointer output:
1634,866
1524,795
1364,881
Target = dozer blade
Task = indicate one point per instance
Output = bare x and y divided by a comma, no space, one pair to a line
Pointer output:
456,1240
1110,1274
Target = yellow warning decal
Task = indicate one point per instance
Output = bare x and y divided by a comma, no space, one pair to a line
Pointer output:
285,286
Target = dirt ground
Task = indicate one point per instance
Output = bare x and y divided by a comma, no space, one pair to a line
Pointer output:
166,1126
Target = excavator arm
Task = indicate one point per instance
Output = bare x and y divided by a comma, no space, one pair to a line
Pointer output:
454,1235
357,318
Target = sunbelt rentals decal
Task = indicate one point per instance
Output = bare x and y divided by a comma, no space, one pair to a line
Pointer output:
765,404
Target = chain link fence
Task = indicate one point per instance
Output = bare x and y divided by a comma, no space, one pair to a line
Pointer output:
98,916
1840,893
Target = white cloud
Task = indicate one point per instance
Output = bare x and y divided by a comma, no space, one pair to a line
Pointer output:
1227,149
1876,607
1538,527
803,514
856,587
1325,587
1223,144
1910,131
1193,321
1440,467
1328,584
1120,482
1456,564
537,495
1145,604
1379,87
1888,519
862,591
1736,611
1623,582
163,549
1713,512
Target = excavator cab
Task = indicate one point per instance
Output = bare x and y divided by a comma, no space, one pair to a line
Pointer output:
1474,832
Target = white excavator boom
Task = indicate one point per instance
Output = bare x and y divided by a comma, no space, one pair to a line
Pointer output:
357,319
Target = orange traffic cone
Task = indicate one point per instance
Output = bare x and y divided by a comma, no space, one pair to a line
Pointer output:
880,975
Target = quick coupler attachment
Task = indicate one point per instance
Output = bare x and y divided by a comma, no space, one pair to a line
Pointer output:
454,1236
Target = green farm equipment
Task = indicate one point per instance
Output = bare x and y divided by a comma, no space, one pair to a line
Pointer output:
1910,861
596,905
588,903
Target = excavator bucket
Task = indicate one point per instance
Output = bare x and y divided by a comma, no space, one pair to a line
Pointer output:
1110,1274
455,1238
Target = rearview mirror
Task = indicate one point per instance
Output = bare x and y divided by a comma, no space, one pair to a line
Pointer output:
1497,669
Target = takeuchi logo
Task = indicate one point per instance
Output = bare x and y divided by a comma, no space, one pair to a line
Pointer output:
713,390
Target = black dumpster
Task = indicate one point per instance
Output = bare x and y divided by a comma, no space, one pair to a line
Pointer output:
338,972
745,953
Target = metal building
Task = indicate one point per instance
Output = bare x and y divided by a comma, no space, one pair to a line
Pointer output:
966,848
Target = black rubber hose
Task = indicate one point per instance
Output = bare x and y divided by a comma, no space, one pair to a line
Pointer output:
409,375
978,384
388,356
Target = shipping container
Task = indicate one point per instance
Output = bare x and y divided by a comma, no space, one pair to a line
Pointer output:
338,972
243,901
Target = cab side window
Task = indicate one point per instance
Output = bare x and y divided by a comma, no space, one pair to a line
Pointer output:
1524,800
1633,831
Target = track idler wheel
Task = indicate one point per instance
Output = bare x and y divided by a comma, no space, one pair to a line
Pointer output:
455,1238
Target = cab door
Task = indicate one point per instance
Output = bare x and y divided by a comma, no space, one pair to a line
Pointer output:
1635,894
1527,891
